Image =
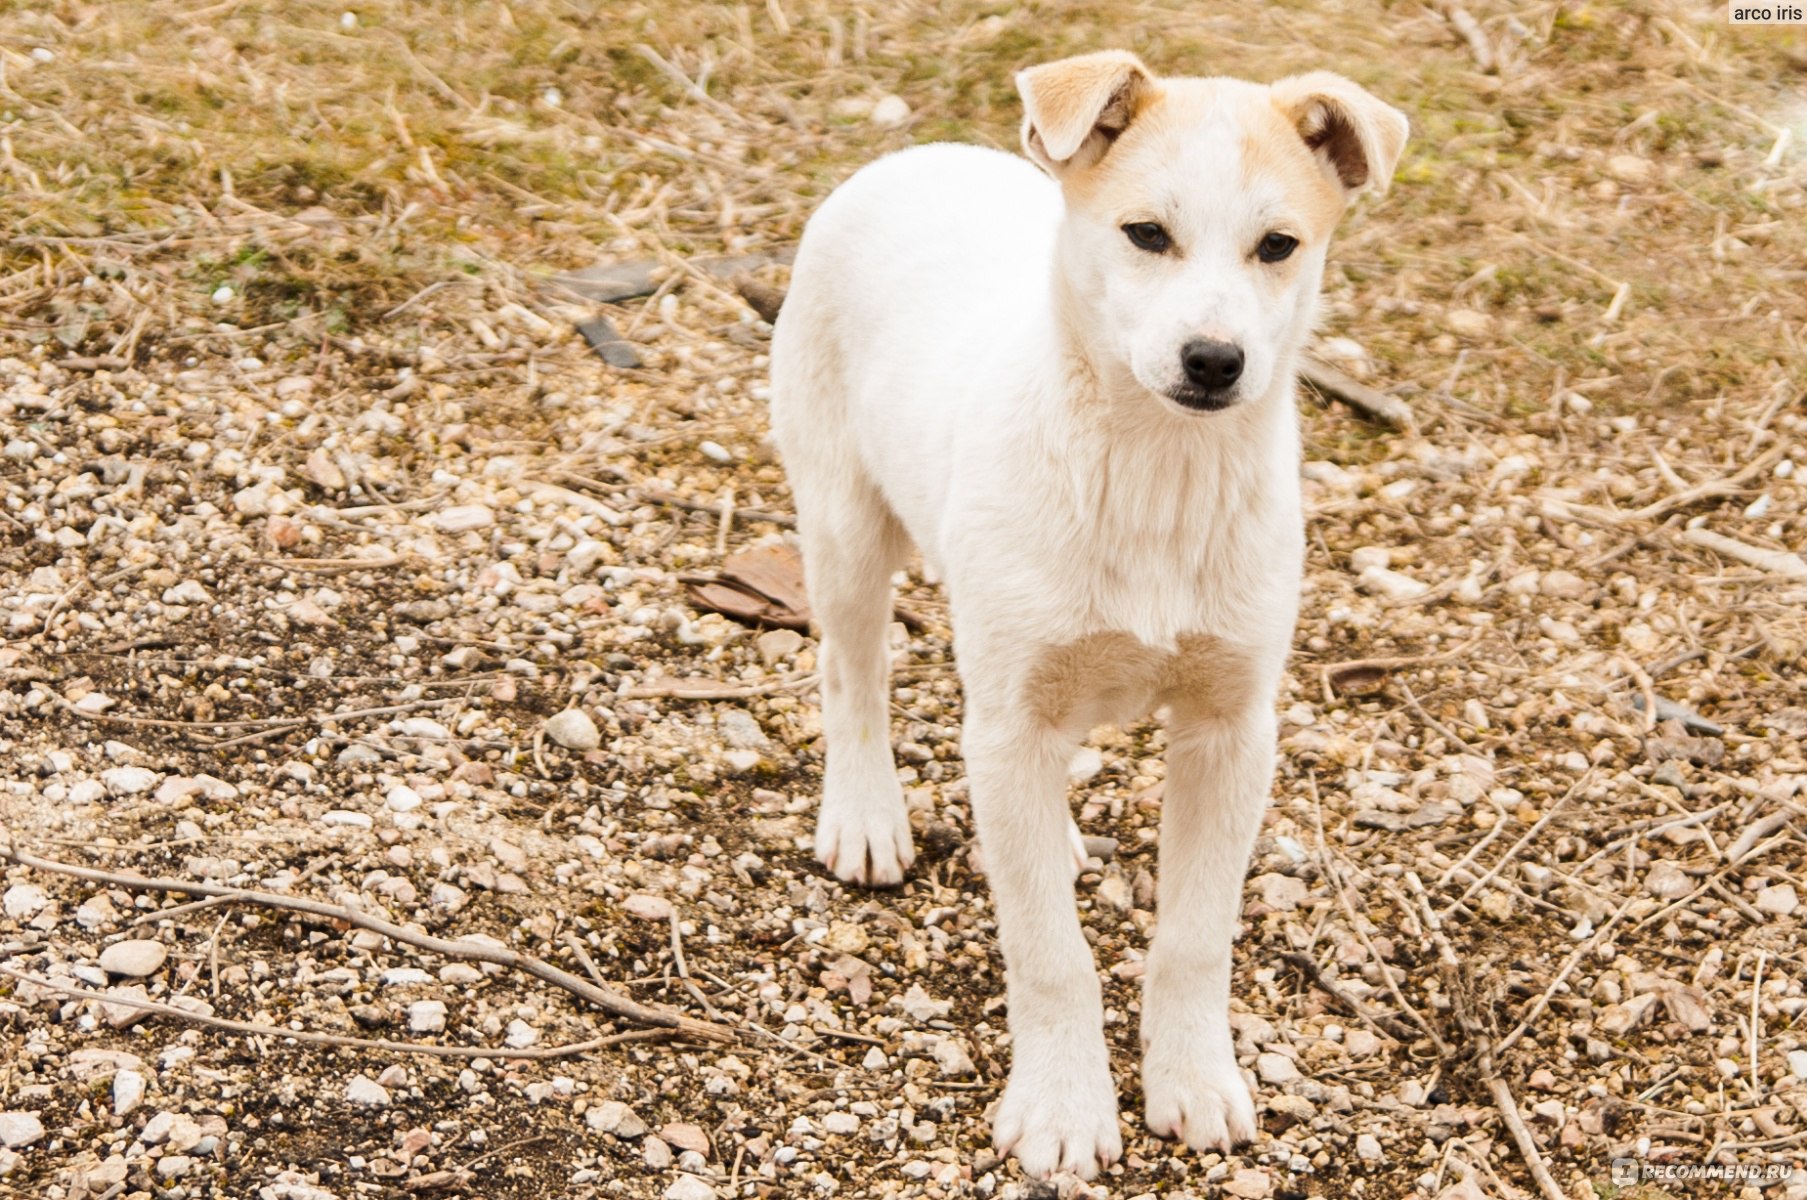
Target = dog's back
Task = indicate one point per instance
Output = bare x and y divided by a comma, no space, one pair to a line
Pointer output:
909,279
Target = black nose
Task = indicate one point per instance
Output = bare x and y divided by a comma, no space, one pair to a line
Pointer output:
1213,366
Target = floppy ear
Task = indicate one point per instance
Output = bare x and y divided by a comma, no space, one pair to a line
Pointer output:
1355,135
1075,108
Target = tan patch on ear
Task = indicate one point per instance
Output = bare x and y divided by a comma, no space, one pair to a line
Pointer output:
1271,148
1081,102
1358,136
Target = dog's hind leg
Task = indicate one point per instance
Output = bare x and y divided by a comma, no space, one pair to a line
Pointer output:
852,542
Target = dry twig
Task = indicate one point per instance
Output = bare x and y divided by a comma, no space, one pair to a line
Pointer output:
603,998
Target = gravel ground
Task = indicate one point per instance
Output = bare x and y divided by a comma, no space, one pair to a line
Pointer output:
275,626
393,617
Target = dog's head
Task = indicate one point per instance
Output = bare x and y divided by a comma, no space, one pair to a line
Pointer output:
1199,210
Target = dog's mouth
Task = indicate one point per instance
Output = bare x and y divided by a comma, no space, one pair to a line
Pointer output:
1200,399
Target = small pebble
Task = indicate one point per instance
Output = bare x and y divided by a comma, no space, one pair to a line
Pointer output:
366,1093
134,958
574,730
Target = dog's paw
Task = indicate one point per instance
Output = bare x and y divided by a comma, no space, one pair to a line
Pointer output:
865,843
1199,1098
1054,1119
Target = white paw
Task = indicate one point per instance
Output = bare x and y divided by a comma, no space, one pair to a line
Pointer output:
1198,1096
865,842
1058,1118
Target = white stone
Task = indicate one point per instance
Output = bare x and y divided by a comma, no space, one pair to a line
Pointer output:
129,781
133,958
187,592
1563,585
1276,1068
741,761
1778,900
689,1187
156,1130
574,730
1390,585
647,908
1367,1148
776,645
952,1057
521,1035
346,818
918,1005
1631,168
462,518
890,112
612,1116
1282,893
427,1016
19,1129
87,791
366,1093
1666,881
128,1092
402,799
24,901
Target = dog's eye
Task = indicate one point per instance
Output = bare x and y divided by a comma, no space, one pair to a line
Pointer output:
1146,235
1276,246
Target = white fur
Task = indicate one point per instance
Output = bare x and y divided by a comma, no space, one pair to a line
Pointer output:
968,362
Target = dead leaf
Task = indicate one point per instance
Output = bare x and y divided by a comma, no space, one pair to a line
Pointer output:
760,586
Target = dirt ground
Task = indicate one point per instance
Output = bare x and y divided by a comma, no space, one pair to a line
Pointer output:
317,512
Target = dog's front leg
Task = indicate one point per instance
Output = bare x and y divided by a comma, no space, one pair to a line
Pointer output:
1218,773
1059,1110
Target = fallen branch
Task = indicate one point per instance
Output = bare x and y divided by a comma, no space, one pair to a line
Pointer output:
1390,411
1776,562
332,566
1503,1100
1329,673
254,1029
1382,1023
713,689
606,999
1712,488
1463,22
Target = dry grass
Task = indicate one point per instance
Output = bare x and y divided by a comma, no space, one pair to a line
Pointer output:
1590,280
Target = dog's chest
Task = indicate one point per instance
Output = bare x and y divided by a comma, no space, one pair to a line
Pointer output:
1192,549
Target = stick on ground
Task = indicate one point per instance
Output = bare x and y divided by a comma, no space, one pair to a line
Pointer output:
607,1000
254,1029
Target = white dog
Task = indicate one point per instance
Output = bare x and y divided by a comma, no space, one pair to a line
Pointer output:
1076,398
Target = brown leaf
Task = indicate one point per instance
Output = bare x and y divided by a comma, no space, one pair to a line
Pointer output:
760,586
